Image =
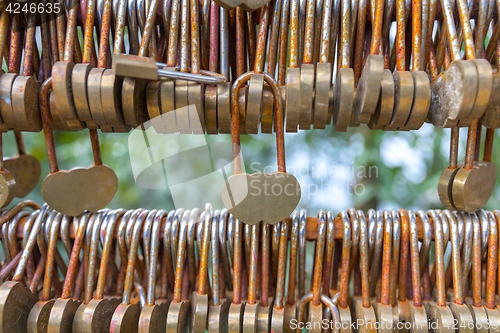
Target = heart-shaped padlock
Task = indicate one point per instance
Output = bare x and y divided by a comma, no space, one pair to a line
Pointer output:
74,191
273,195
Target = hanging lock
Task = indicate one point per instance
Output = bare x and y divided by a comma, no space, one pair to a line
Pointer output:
152,317
126,314
74,191
199,302
148,69
179,308
64,308
278,193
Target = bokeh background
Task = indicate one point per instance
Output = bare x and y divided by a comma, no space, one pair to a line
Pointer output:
360,168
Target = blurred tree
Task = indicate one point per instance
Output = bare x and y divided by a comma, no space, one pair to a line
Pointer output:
360,168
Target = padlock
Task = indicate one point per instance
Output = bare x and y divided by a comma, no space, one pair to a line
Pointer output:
126,315
74,191
478,311
266,302
440,316
492,267
39,314
361,307
403,80
395,269
179,308
278,317
453,91
368,87
343,307
64,308
290,305
313,299
81,321
460,311
422,89
383,309
418,316
252,307
152,317
472,184
97,313
199,301
241,204
237,307
219,307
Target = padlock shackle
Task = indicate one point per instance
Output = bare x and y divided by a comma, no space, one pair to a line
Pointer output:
180,258
463,13
318,259
386,259
476,262
278,120
455,258
345,37
266,261
132,257
377,27
492,262
426,241
30,244
71,32
260,53
148,27
216,290
88,33
279,302
111,218
416,32
439,258
363,260
206,217
449,22
50,268
324,53
471,144
414,257
330,249
346,252
46,124
95,229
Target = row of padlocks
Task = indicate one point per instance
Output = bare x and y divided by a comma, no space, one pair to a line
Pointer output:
202,269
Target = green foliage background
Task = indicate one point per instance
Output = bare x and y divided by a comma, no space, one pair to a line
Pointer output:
397,184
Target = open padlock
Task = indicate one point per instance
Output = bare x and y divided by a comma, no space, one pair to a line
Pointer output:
278,193
74,191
